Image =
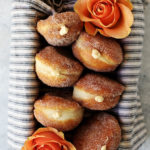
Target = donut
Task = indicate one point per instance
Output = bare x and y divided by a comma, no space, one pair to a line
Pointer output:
98,53
61,29
62,114
100,132
56,69
97,92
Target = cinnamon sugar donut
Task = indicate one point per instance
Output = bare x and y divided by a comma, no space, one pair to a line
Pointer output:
96,92
56,69
61,29
98,53
100,132
62,114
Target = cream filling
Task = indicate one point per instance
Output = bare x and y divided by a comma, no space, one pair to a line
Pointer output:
47,69
44,68
81,94
62,115
64,30
99,99
97,55
103,147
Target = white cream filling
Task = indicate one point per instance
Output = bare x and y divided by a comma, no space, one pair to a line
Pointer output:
64,30
99,99
81,94
56,115
97,55
103,147
46,69
62,115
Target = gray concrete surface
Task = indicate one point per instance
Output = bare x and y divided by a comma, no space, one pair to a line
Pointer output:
5,6
144,85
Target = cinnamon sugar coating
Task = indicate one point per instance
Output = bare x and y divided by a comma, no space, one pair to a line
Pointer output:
61,29
99,131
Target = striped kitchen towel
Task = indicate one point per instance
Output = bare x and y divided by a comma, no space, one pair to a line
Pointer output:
24,86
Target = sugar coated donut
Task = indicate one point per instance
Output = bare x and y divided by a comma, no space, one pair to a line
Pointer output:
61,29
97,92
55,69
100,132
98,53
62,114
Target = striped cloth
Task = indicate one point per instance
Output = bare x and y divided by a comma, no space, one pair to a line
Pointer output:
24,86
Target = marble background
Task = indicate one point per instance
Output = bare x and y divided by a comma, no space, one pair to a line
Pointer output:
5,19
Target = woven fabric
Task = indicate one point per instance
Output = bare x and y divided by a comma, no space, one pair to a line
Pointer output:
24,86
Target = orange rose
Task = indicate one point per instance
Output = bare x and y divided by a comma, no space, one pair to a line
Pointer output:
47,139
112,18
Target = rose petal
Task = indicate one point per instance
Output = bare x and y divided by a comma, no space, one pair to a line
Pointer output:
45,147
96,20
114,1
69,145
90,4
44,141
65,147
106,10
111,20
90,29
126,14
82,11
47,139
50,135
28,145
101,31
107,19
54,146
126,3
122,29
40,130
